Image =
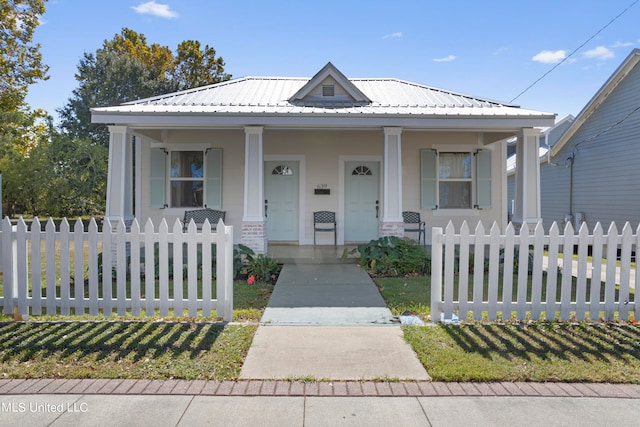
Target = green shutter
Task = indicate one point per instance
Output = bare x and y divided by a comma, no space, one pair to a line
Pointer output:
429,178
214,179
158,177
483,179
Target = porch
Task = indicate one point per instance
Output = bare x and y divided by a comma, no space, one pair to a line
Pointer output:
308,254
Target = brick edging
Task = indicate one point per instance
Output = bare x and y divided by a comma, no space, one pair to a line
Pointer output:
323,389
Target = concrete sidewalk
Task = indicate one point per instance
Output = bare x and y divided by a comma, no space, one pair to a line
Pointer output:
282,403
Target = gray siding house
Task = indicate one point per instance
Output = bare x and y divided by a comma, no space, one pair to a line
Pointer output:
592,172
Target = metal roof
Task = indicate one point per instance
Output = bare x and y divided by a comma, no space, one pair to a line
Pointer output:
270,95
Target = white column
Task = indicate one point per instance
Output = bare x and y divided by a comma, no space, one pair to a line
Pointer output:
391,223
120,175
527,200
253,221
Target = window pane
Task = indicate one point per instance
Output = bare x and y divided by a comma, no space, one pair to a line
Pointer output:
455,165
186,194
187,182
186,164
455,195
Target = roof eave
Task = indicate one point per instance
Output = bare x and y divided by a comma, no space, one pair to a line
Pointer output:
324,120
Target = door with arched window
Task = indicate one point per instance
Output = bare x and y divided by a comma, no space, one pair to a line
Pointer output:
282,200
362,195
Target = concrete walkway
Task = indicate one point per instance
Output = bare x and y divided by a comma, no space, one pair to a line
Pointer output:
329,321
283,403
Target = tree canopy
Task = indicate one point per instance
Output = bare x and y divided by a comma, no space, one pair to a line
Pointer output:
20,60
127,68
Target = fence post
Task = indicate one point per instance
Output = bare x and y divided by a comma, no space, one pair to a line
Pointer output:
224,271
436,273
7,265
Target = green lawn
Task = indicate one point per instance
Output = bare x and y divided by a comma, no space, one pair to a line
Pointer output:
542,351
156,348
161,348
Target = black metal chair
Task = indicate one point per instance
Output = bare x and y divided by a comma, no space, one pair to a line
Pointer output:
199,215
325,221
413,224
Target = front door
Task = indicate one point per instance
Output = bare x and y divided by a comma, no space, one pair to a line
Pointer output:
281,200
362,195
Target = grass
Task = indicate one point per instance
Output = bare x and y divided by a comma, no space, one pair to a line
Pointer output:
152,350
156,348
183,348
542,351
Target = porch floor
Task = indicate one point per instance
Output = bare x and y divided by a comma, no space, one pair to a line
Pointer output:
310,254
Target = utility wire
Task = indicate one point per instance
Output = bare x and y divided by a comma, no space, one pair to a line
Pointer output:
592,137
575,50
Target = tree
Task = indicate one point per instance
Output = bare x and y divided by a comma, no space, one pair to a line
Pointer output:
127,68
21,61
194,67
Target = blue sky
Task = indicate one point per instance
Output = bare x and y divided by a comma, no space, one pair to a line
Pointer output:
493,49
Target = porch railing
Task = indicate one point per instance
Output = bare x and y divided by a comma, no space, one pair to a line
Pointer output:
89,271
531,275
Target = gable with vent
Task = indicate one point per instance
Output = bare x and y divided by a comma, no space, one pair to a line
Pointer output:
329,86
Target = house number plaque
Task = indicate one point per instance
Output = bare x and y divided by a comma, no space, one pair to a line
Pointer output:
322,190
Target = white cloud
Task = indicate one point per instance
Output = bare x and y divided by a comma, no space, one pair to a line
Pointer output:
445,59
155,9
550,57
396,35
599,52
621,44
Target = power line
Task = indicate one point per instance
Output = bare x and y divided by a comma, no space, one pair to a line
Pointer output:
575,50
592,137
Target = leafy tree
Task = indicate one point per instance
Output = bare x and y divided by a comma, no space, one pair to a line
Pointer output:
20,60
194,67
127,68
21,129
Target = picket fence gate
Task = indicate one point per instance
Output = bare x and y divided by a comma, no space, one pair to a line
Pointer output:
544,286
139,278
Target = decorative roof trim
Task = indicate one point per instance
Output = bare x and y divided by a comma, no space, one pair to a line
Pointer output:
330,70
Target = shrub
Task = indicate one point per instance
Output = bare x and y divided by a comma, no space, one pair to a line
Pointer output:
263,268
393,256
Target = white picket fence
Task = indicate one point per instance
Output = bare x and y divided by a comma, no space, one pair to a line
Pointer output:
124,277
474,273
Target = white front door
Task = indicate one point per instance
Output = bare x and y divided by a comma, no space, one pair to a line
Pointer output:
281,183
362,196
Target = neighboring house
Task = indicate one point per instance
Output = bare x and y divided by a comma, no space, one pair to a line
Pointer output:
276,149
593,170
548,137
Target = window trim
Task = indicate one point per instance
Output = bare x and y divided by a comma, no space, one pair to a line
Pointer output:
207,177
474,209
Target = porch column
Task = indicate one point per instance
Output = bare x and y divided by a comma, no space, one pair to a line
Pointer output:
253,221
391,223
120,175
527,198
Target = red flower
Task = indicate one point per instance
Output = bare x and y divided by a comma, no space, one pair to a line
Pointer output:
251,280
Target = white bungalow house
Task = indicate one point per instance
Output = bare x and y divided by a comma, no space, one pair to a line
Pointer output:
269,151
591,173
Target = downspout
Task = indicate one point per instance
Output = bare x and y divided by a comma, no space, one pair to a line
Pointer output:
569,163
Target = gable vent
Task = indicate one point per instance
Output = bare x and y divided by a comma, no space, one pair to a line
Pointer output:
328,90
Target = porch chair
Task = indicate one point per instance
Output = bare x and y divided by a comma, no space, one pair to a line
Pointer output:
412,224
325,221
199,215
